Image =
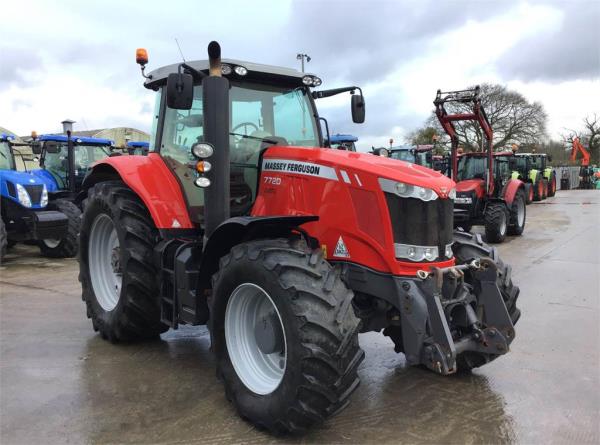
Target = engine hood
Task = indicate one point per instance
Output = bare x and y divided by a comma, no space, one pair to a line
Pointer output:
469,185
17,177
343,161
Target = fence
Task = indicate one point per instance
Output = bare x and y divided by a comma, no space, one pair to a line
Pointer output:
572,173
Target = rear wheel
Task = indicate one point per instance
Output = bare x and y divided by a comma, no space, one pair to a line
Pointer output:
528,193
496,222
467,247
517,214
67,246
538,189
544,188
116,267
552,185
284,334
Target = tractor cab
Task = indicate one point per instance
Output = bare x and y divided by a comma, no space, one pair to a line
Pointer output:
54,160
343,142
420,154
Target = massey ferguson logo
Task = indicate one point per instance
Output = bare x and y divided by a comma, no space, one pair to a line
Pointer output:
297,167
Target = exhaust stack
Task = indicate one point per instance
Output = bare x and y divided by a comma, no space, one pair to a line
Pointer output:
215,99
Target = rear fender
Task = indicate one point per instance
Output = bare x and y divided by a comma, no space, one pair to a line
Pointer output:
152,181
510,190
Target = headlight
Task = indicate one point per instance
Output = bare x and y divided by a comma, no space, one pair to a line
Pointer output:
202,182
307,80
420,253
225,69
407,190
311,81
452,194
23,196
202,150
240,70
44,200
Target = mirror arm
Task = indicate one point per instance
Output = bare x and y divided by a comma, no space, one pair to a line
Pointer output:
197,75
328,93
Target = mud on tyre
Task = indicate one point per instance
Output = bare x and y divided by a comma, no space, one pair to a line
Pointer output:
116,268
314,334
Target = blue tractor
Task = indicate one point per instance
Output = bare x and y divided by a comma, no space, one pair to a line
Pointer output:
65,161
138,148
343,142
26,215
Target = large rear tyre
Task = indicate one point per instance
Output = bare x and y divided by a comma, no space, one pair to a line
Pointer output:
528,193
284,334
467,247
67,246
552,185
116,268
538,189
495,222
518,214
3,240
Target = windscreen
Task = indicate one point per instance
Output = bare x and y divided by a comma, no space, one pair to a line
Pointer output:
471,167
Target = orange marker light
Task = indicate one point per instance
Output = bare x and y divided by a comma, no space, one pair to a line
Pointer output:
141,56
203,166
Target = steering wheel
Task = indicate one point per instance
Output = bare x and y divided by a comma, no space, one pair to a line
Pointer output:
245,125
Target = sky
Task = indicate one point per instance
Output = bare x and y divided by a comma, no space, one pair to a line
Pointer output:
76,59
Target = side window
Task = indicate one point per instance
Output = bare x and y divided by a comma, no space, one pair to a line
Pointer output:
183,128
155,117
298,127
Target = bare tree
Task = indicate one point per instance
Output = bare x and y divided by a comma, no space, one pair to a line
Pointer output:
513,118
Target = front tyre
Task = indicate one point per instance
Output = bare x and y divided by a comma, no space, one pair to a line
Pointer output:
495,222
284,334
552,185
65,247
466,248
517,214
3,240
116,269
528,193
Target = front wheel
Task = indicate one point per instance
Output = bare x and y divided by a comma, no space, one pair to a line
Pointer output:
66,246
517,214
528,193
544,188
116,268
284,334
3,240
495,222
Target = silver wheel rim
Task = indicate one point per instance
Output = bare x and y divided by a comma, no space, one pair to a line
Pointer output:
503,225
104,262
249,305
51,243
520,213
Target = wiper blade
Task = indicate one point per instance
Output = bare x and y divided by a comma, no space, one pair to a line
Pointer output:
247,136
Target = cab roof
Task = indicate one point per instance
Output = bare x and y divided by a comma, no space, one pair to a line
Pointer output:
338,138
531,154
135,144
256,71
75,139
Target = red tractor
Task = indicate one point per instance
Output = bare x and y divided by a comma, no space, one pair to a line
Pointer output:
485,192
236,219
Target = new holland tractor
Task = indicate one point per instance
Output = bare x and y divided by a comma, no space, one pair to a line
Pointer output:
486,194
238,220
343,142
139,148
26,215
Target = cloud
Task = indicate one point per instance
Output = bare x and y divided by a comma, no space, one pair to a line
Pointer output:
570,50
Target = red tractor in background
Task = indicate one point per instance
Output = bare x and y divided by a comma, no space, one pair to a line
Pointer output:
485,192
238,220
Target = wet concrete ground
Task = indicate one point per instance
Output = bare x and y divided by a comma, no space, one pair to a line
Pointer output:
60,383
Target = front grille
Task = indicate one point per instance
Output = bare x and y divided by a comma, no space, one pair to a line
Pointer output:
421,223
11,189
35,193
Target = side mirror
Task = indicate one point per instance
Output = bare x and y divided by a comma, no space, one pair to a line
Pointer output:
36,148
52,147
357,106
180,91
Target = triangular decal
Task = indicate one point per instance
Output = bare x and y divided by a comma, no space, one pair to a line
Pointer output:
341,250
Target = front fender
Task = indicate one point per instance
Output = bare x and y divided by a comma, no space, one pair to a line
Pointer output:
151,179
